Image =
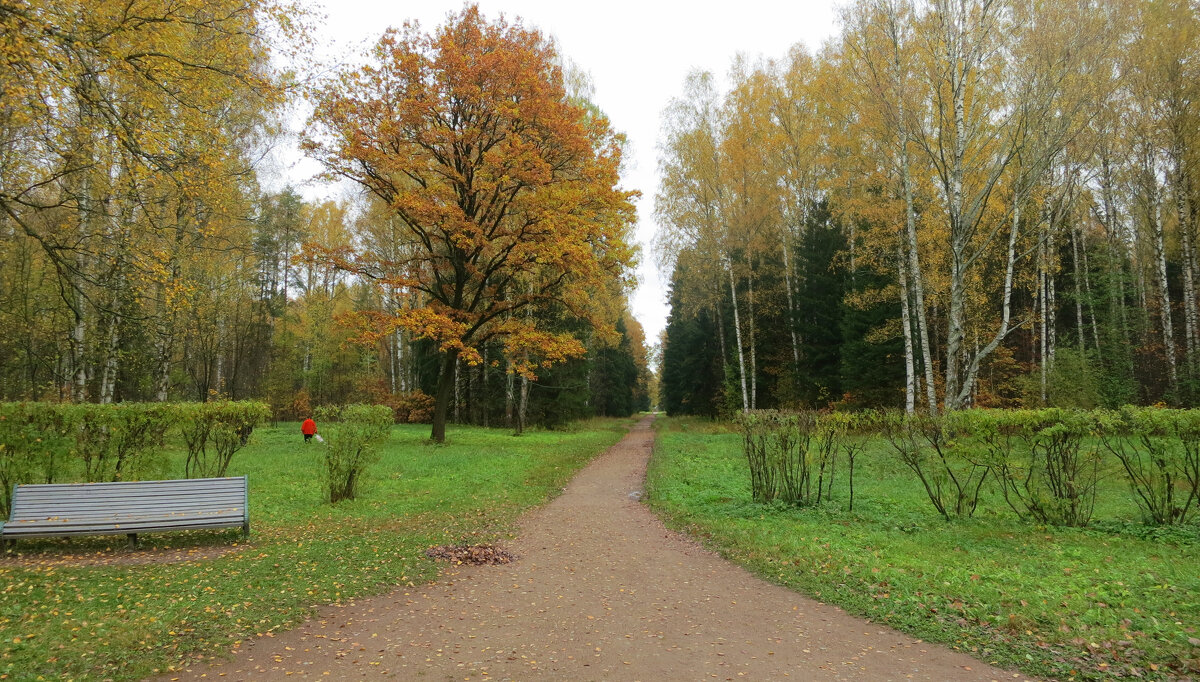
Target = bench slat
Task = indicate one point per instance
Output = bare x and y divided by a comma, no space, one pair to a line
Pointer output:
156,503
117,516
125,523
53,533
118,486
145,521
92,493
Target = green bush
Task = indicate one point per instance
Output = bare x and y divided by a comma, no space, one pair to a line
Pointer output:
352,437
120,441
1159,451
214,431
793,455
34,446
1041,462
930,446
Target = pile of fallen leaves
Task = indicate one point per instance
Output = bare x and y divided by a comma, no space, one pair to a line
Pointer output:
471,554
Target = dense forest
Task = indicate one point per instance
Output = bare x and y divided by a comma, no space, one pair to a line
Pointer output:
142,260
953,203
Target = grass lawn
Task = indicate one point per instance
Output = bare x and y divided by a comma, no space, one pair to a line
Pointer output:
62,619
1118,599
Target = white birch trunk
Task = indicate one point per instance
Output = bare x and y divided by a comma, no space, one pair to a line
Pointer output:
1082,330
1006,306
906,326
1042,317
791,307
914,271
78,344
1164,292
1051,315
1087,287
1190,314
750,334
108,376
737,328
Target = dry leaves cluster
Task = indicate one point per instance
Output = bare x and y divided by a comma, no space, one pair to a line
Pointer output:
478,555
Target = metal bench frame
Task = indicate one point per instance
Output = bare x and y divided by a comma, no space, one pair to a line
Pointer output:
128,508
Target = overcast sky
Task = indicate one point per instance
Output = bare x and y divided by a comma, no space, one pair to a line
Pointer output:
637,53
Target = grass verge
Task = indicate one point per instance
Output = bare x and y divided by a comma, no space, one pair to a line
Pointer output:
1116,600
68,610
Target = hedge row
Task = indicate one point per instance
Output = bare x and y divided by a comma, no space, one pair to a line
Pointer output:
1045,463
55,442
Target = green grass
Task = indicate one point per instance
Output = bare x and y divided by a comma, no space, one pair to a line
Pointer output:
61,619
1114,600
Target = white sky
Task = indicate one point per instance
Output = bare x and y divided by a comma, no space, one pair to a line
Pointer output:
637,53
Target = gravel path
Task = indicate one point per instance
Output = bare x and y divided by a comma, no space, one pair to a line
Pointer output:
601,591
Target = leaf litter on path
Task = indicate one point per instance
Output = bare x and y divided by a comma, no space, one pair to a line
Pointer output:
478,555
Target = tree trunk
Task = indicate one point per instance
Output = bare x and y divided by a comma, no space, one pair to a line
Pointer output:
1042,318
750,329
457,392
956,318
523,411
1164,292
906,326
791,307
165,347
737,328
1190,314
1006,306
1082,333
445,388
914,271
78,347
1087,288
108,376
509,394
1051,317
1116,245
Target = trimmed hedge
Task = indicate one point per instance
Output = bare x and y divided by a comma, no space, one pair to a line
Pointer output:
1045,463
60,442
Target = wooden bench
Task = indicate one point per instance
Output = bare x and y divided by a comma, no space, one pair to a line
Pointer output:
128,508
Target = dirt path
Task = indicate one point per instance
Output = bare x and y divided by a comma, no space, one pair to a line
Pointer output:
602,591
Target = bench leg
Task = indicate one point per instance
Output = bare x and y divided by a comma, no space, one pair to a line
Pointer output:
132,540
245,531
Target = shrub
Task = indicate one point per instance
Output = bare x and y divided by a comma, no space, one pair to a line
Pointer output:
411,407
1159,451
1041,464
353,434
793,455
33,446
927,444
117,441
414,407
214,431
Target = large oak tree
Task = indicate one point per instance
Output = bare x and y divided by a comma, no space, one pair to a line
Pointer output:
506,188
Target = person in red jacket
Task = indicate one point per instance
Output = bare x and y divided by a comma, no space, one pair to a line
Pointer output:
309,429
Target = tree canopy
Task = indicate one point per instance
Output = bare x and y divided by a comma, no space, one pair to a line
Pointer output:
505,190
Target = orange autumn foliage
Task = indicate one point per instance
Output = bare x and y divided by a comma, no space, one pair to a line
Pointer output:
506,189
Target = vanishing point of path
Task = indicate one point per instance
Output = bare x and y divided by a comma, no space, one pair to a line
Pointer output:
600,591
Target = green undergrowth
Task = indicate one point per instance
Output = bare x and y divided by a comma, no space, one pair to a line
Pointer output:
60,618
1117,599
